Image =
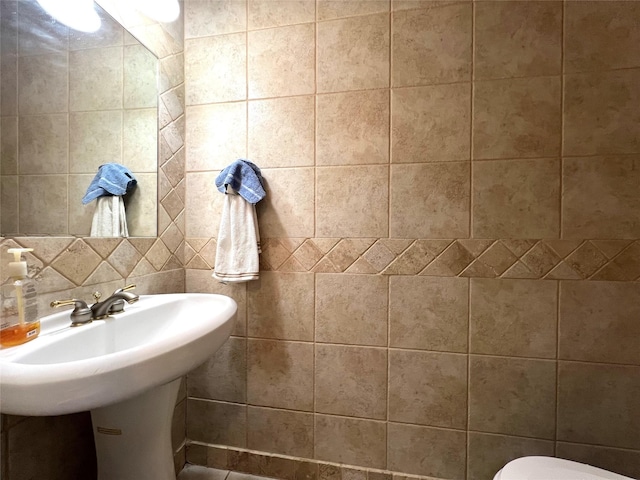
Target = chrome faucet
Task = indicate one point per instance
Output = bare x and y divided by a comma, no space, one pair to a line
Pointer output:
100,310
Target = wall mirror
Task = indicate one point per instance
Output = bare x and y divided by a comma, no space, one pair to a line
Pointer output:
71,101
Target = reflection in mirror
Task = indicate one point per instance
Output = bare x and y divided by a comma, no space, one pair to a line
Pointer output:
69,102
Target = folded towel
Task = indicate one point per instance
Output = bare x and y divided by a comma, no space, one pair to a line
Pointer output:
111,179
238,241
244,178
109,218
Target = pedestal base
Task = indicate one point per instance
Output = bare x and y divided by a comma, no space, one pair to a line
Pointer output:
133,438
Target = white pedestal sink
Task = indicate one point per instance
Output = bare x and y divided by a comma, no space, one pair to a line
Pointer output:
125,369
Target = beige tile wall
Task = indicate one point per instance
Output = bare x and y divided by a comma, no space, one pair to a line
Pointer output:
450,237
78,101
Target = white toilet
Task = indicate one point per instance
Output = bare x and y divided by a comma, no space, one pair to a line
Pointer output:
548,468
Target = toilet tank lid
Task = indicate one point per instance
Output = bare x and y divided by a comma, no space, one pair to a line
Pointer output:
549,468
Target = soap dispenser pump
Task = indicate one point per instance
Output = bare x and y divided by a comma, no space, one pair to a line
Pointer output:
19,321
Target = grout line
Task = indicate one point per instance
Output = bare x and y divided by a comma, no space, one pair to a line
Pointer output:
562,126
390,129
471,159
468,437
560,223
315,220
471,113
555,433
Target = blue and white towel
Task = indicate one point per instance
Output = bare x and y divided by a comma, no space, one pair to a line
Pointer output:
244,178
238,249
111,179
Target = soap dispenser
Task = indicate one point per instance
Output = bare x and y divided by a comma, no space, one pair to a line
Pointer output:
19,321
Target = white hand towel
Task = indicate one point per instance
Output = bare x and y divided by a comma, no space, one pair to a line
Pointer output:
237,254
109,217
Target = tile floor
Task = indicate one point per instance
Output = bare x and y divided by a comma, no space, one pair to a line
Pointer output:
196,472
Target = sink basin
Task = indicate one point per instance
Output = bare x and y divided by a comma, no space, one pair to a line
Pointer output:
126,369
156,340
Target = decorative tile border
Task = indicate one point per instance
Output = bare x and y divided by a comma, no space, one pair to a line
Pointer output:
60,263
283,467
612,260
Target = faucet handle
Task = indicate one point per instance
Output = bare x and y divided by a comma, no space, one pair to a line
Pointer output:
81,313
131,286
97,296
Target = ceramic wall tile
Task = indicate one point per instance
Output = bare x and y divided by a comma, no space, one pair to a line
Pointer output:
431,124
613,34
517,39
203,18
281,61
9,204
351,309
34,96
224,375
96,79
599,117
597,404
280,374
330,9
203,204
428,313
95,138
217,135
9,146
599,198
46,194
432,45
140,71
217,422
280,306
517,118
598,322
280,431
9,83
353,128
215,69
430,200
282,131
516,199
512,396
351,381
412,398
348,209
427,451
287,210
341,67
270,13
140,140
513,317
352,441
43,144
